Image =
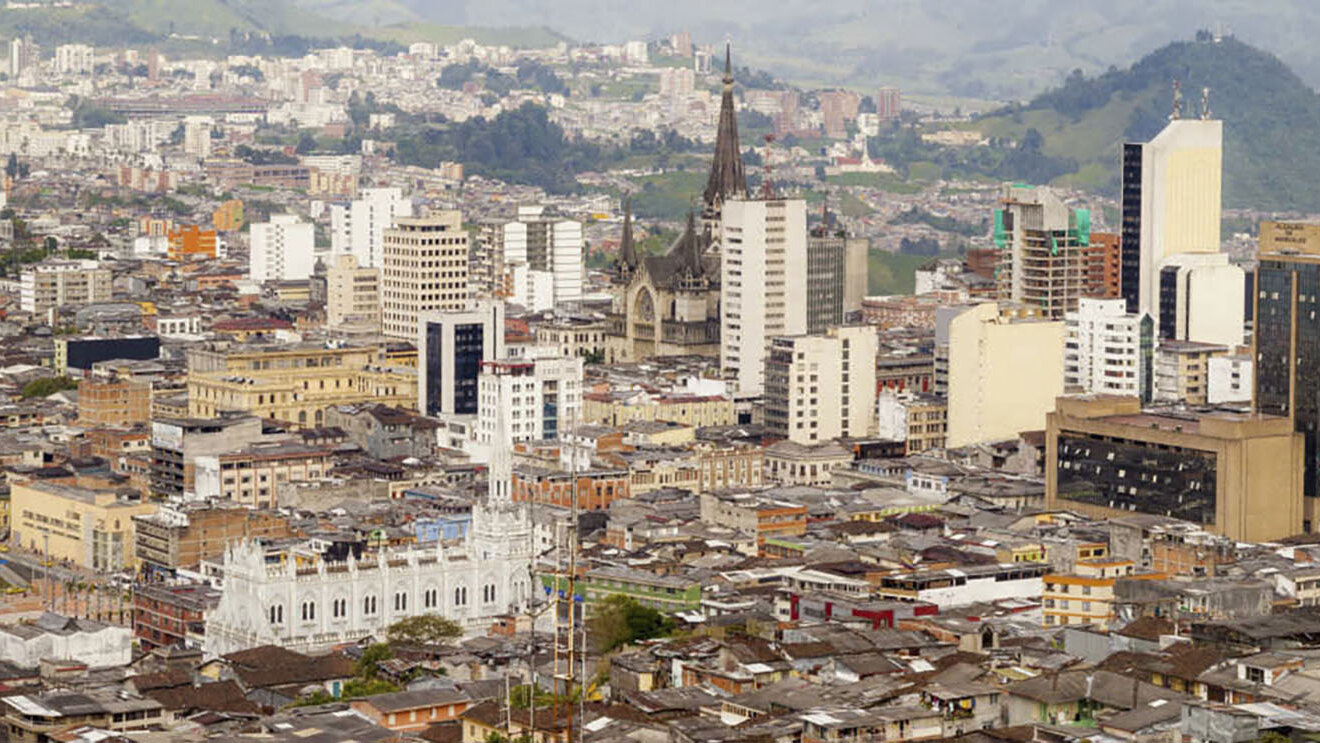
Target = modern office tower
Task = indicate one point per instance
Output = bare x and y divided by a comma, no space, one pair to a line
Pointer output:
1042,247
1286,342
1005,370
822,387
359,226
424,268
281,249
1170,204
75,59
888,103
352,293
836,277
542,397
1200,299
1234,474
1108,351
762,282
548,244
50,285
728,175
450,349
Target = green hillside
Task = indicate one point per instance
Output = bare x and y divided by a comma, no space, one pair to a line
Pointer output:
1271,120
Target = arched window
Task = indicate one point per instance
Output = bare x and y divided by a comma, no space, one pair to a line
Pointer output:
277,613
369,605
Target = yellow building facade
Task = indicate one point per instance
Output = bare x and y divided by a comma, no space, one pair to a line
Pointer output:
90,528
293,384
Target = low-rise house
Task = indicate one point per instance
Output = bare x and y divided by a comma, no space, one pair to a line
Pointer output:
407,711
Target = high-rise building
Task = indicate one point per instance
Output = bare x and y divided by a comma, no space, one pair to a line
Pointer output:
728,175
1286,342
1102,261
888,103
281,249
359,226
23,56
1042,244
424,268
352,293
1200,299
450,349
1171,204
49,285
836,277
762,280
548,244
197,136
822,387
542,396
1108,351
1004,371
1234,474
75,59
837,108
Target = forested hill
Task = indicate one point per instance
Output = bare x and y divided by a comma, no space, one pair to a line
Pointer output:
1271,119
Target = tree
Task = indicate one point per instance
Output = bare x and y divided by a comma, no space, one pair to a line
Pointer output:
47,386
11,167
368,664
619,620
423,629
306,144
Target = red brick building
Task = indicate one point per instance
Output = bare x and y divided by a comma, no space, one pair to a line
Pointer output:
163,616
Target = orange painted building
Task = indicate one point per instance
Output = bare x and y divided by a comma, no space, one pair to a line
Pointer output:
191,243
412,710
1102,261
596,489
228,216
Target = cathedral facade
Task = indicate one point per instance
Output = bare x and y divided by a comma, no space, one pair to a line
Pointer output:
669,305
307,602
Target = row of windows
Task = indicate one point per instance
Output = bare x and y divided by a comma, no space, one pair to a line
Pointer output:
370,604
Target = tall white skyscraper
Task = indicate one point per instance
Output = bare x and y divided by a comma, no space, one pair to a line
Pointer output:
549,244
75,59
424,268
1108,351
541,397
763,283
1171,204
358,228
281,249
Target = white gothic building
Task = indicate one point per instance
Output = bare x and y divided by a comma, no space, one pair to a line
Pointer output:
313,605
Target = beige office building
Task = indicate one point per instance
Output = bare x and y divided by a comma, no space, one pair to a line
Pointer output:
64,283
1005,368
424,269
352,294
822,387
90,528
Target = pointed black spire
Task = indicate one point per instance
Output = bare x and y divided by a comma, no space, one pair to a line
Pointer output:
727,175
689,248
627,249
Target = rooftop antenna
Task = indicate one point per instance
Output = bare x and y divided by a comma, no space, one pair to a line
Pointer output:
1176,113
1205,104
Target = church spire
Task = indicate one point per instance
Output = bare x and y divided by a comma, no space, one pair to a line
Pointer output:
727,175
627,249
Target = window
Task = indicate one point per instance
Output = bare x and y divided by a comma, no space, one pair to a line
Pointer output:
308,612
277,614
369,605
430,598
460,596
339,608
401,602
